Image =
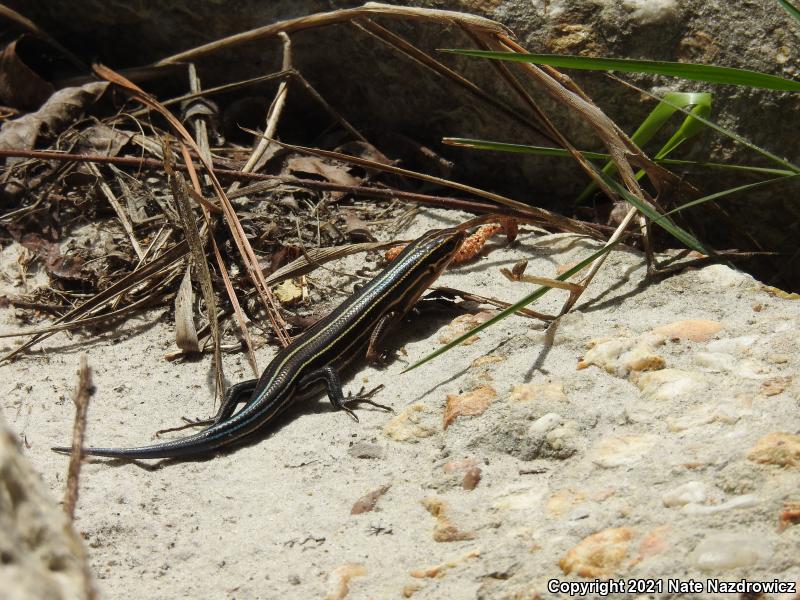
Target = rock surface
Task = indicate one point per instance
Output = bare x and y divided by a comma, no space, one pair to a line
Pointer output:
573,472
41,557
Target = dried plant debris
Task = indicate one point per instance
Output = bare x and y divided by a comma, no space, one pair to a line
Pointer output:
20,86
88,186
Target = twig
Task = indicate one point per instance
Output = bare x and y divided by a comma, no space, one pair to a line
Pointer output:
219,89
246,252
337,16
274,113
524,213
198,261
122,286
82,394
524,312
82,322
120,212
199,121
223,270
554,219
584,283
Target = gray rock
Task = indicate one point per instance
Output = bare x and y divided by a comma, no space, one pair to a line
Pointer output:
381,91
41,556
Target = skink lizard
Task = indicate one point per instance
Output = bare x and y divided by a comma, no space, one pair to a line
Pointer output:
318,354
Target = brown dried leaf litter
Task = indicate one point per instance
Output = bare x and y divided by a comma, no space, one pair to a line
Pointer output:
145,263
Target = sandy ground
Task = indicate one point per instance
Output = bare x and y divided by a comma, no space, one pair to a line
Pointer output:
653,460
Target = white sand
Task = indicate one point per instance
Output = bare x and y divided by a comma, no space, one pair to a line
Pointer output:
272,519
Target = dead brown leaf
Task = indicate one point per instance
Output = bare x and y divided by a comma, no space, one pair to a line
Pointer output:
20,86
61,110
314,165
102,139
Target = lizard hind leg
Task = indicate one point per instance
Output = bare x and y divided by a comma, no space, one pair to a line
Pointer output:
334,387
237,394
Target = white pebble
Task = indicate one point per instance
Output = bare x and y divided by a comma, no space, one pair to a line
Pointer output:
752,369
668,384
715,361
690,492
544,424
613,452
562,437
746,501
651,12
724,276
735,345
725,551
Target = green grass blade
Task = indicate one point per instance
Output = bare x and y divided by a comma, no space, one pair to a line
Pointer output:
731,134
535,295
695,72
723,193
699,104
791,9
675,230
696,102
548,151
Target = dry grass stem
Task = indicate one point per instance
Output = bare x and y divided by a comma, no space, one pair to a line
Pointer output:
246,251
83,392
526,214
274,112
120,212
288,26
427,61
200,265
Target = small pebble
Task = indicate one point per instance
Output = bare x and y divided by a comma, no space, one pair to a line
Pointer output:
614,452
599,555
724,277
471,404
544,424
407,426
445,530
368,501
470,469
690,492
653,12
703,415
736,346
549,392
563,500
339,580
745,501
726,551
752,369
777,448
440,569
622,355
695,330
715,361
562,439
775,386
670,384
654,542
